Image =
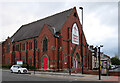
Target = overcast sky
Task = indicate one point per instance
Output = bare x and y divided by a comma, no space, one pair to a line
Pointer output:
100,19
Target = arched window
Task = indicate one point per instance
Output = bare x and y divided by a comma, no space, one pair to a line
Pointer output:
45,44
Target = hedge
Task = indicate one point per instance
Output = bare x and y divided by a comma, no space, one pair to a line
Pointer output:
6,66
29,67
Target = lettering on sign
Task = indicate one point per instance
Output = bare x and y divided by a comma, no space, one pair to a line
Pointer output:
19,62
75,34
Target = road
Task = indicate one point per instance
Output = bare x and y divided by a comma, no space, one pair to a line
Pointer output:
8,77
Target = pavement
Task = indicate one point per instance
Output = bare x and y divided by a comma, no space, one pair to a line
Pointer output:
60,76
75,76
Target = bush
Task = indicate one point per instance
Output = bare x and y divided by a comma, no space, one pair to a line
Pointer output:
29,67
6,66
24,65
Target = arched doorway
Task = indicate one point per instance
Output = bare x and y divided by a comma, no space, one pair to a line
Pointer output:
45,62
76,61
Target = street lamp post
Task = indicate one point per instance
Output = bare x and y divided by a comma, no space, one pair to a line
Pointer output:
34,57
82,38
99,62
57,36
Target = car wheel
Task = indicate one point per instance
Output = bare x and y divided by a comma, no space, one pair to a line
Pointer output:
19,72
11,71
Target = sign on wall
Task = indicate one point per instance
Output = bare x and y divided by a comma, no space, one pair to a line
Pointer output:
19,62
75,34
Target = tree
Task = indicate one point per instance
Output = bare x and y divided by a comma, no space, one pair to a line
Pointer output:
115,60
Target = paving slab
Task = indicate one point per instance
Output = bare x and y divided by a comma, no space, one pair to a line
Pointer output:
75,77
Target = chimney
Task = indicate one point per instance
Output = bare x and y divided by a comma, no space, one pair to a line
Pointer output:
91,46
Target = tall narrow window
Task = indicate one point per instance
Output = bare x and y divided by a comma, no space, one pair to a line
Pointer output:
23,59
30,60
17,47
30,45
23,46
8,60
16,59
8,48
45,44
36,43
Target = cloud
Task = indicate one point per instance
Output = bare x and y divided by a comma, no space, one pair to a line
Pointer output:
100,19
18,14
101,26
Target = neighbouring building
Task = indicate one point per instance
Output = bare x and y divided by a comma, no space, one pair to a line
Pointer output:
95,59
53,42
105,61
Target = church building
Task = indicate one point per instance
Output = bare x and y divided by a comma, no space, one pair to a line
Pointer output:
51,43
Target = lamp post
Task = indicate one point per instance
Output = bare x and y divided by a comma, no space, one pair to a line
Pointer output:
82,38
57,36
34,57
99,62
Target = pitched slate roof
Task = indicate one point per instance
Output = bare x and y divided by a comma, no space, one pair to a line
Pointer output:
33,29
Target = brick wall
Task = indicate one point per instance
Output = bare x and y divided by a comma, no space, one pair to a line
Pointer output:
114,73
111,73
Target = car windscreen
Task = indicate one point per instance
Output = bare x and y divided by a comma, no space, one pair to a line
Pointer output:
19,67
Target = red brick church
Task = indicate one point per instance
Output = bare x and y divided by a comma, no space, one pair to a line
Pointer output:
53,42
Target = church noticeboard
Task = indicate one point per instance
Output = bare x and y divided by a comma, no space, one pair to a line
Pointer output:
75,34
19,62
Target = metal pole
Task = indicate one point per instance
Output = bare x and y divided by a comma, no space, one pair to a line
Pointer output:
27,55
58,54
82,39
99,64
34,57
68,54
14,53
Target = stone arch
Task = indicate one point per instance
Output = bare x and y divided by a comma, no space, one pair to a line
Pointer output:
76,61
45,62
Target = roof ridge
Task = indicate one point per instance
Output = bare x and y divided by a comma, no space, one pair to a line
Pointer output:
48,16
38,25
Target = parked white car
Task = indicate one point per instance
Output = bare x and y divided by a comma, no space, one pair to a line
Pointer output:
112,66
18,69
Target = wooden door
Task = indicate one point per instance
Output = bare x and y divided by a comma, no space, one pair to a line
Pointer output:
45,62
